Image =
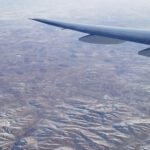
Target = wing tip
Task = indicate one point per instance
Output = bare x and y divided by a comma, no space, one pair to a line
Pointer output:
35,19
41,20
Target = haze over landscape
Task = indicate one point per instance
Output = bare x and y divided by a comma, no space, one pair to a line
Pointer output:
57,93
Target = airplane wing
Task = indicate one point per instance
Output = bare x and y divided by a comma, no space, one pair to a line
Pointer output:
99,34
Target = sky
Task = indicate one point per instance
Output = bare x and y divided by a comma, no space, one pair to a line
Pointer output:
114,12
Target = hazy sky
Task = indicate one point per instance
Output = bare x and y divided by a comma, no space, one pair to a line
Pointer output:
135,12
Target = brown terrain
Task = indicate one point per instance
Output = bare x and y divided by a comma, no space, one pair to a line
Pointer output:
57,93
